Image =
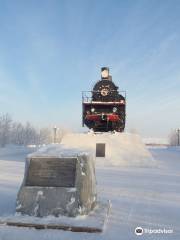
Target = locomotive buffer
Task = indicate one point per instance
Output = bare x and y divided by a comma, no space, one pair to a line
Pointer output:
104,108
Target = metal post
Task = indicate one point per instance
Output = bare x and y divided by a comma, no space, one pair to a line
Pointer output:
55,132
178,133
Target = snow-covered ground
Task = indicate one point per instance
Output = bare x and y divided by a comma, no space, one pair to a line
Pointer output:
146,197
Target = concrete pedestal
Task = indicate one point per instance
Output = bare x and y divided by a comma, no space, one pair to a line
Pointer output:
60,184
116,149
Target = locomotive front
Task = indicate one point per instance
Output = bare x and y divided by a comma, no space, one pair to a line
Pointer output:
104,107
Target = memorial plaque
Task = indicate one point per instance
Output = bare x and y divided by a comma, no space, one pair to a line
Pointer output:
100,149
51,172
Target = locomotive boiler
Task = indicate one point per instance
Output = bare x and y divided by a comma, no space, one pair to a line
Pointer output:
104,108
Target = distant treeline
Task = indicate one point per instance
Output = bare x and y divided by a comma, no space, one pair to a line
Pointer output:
12,132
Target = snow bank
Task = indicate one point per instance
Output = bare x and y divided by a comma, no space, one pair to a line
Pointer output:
15,152
122,149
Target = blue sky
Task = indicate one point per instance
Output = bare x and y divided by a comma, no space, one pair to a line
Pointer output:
52,50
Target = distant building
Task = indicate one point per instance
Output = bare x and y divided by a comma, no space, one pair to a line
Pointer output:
156,141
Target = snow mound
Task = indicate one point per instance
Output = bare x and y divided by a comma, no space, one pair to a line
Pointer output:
122,149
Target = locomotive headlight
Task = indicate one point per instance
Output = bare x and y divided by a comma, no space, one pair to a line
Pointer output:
92,109
114,109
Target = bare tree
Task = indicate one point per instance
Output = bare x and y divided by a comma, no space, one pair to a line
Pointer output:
44,136
17,133
5,128
25,134
30,134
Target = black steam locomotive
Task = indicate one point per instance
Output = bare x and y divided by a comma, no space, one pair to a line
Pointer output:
104,108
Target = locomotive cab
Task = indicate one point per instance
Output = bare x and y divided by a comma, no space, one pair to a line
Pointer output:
104,106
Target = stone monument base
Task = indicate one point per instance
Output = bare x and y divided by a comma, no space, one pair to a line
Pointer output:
94,222
58,182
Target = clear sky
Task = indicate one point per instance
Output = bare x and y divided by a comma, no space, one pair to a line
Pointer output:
52,50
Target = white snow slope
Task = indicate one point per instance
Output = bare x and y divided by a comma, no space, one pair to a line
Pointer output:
146,197
122,149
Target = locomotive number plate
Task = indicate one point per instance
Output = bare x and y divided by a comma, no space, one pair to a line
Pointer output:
51,172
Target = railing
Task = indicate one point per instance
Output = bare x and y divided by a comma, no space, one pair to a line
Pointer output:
87,95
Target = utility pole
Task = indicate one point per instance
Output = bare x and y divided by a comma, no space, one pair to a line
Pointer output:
55,133
178,137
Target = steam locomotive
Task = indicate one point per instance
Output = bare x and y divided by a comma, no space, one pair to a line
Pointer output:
104,108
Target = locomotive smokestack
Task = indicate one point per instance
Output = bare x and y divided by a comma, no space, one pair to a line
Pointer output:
105,74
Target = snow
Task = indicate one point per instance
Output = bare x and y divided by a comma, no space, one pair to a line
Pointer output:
59,150
122,149
140,196
13,152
